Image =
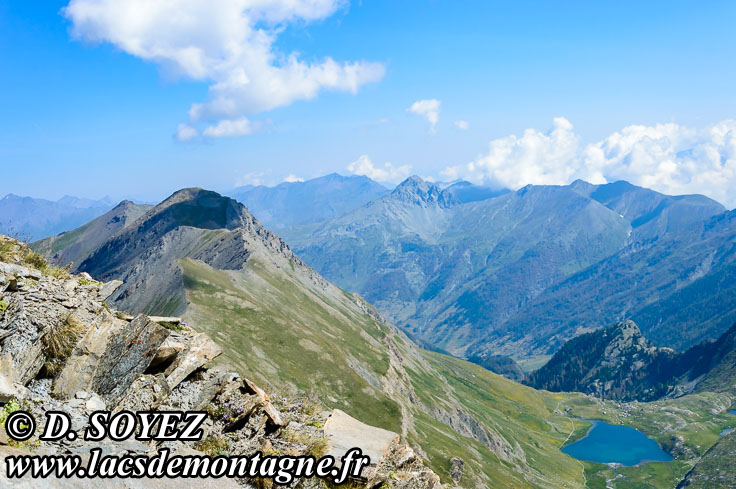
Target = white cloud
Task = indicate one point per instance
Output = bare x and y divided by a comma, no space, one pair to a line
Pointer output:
669,158
291,178
462,125
429,109
387,173
229,43
534,157
185,132
229,128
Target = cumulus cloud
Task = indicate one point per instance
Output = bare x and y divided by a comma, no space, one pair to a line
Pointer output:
462,125
534,157
669,158
291,178
385,173
228,43
429,109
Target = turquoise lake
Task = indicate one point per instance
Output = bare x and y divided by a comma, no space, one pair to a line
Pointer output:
606,443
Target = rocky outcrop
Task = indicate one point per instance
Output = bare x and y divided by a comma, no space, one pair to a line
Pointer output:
457,468
618,362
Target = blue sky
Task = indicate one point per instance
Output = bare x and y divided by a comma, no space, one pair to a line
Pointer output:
632,84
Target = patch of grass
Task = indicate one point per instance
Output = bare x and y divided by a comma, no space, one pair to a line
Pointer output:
36,260
310,407
318,448
309,346
3,306
84,281
7,248
170,325
213,446
10,407
59,342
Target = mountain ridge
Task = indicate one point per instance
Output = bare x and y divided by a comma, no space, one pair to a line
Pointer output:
467,276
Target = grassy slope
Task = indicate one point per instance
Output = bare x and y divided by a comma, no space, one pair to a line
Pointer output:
315,340
269,328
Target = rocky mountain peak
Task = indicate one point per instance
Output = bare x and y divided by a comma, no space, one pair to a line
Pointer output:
414,190
200,208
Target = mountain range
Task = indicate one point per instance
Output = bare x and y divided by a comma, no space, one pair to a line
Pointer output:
520,273
205,257
31,219
489,274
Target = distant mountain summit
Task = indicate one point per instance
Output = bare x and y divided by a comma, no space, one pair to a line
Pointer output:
415,191
309,202
467,192
192,222
651,213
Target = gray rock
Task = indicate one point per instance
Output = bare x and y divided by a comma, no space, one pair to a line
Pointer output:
82,366
344,432
145,393
19,271
457,468
12,285
7,389
94,403
201,351
107,289
127,355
